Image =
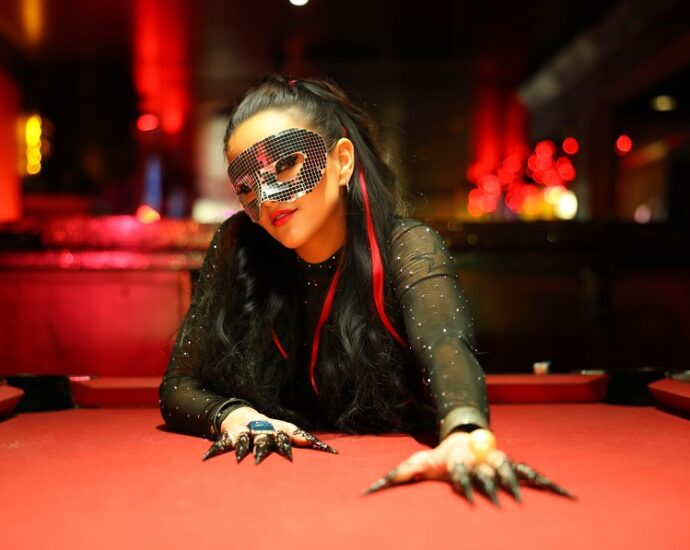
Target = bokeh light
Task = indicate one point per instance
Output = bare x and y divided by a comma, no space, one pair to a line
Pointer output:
532,185
147,122
545,149
663,103
146,214
643,214
570,146
623,144
33,130
566,207
553,194
565,169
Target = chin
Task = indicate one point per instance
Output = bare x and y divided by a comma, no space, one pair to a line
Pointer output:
287,239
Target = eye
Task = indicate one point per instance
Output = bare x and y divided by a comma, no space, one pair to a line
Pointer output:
242,188
286,163
288,167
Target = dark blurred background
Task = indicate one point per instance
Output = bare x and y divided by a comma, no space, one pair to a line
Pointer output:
548,141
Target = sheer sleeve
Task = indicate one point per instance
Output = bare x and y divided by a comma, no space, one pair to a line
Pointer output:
438,325
185,404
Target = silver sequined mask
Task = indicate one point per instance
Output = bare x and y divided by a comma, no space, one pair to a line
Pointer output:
282,167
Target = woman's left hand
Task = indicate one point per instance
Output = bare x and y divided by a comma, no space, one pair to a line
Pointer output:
469,460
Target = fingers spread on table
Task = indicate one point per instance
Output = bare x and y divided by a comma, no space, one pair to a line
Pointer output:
283,444
421,465
484,478
505,470
263,445
461,481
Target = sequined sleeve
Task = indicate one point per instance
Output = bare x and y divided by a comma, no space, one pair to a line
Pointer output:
439,326
185,404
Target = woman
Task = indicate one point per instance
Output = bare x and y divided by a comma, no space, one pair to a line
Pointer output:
317,307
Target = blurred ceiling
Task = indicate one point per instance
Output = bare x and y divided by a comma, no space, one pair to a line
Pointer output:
243,36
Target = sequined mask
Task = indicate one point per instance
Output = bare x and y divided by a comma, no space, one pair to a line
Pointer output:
282,167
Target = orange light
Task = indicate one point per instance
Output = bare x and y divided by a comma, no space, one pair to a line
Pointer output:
32,20
480,203
475,210
490,184
475,196
148,122
571,146
623,144
146,214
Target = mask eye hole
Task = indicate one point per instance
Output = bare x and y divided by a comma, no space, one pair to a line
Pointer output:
288,167
244,190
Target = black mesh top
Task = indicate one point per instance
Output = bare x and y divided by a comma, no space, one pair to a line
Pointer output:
437,322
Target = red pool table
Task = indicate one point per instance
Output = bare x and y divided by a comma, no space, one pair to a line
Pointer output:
115,478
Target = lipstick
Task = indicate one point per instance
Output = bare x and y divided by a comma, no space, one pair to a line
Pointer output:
280,217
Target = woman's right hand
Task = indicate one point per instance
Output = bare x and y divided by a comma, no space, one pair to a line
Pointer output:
235,434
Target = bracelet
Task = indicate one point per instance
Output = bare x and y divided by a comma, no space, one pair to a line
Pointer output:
224,410
461,417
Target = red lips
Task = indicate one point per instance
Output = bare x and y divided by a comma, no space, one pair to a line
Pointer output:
279,217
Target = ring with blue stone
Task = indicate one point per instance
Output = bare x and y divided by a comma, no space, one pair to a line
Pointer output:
257,427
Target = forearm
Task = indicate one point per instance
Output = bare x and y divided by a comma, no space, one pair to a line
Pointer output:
458,387
439,328
188,407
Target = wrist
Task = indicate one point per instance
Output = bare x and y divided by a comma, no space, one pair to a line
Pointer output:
465,428
239,416
465,418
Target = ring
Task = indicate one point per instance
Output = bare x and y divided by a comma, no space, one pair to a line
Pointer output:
257,427
482,442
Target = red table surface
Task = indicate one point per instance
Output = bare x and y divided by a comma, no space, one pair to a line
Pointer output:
86,478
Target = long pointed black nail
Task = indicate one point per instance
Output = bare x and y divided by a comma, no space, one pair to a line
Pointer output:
283,445
325,447
540,481
385,481
315,441
508,479
487,486
222,445
514,489
214,450
462,482
242,446
261,451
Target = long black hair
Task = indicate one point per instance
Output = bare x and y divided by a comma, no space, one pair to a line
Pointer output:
365,371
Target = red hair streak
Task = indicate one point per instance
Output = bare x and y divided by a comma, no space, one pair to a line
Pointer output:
376,265
325,312
277,343
377,283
